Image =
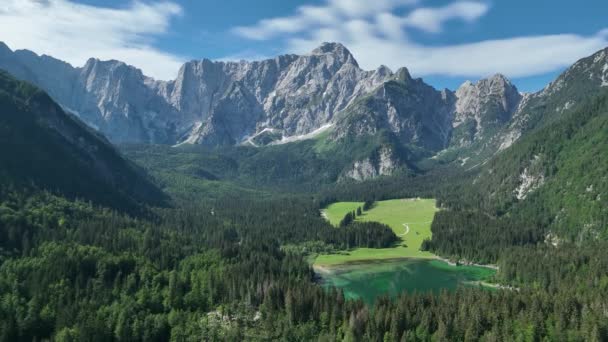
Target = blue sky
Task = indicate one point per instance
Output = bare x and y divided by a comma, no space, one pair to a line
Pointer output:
444,41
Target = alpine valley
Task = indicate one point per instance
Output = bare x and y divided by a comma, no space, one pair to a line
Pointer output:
259,201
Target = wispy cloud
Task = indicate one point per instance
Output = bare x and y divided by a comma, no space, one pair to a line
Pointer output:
432,19
309,17
370,29
74,32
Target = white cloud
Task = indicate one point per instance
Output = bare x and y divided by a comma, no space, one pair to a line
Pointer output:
431,19
378,36
359,8
307,17
75,32
516,57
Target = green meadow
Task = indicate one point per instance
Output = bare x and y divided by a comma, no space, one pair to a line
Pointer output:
410,219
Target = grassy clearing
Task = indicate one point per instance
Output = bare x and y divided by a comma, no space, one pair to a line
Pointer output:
410,219
335,212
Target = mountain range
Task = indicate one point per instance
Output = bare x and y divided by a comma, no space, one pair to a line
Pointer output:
292,98
228,103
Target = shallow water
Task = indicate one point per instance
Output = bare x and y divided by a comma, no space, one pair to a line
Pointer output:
370,280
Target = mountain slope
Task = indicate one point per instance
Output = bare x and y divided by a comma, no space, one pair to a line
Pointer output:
43,147
548,188
413,112
509,115
557,174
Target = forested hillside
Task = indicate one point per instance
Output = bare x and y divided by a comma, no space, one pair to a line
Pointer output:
303,166
217,271
547,188
42,147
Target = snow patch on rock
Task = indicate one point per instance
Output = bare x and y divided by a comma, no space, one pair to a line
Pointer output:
307,136
191,137
249,140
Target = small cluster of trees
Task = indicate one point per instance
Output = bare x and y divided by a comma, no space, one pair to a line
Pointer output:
351,216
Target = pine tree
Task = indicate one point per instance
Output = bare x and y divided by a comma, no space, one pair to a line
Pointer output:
348,219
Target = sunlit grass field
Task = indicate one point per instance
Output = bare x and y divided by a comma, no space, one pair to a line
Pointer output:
410,219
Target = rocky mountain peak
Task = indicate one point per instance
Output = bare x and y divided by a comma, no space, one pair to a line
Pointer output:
110,76
466,84
497,85
330,47
483,106
108,65
336,49
384,70
403,75
500,78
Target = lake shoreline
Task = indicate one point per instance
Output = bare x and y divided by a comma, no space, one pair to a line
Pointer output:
327,268
374,278
468,263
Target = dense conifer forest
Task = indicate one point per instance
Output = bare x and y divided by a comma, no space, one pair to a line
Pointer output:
74,271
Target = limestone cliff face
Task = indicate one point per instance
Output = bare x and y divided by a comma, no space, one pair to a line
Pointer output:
226,103
292,94
383,162
483,108
209,102
408,109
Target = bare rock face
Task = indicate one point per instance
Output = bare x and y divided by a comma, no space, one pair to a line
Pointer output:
294,95
291,94
382,163
226,103
410,110
483,108
122,103
232,118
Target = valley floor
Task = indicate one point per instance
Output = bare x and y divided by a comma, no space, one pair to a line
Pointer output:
368,273
410,219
